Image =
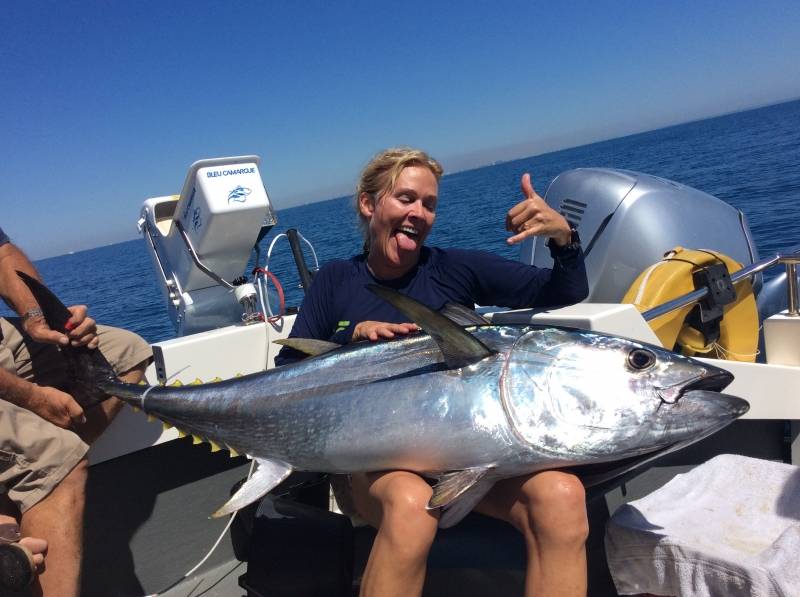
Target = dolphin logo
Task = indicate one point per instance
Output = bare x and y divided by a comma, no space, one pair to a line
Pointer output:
239,194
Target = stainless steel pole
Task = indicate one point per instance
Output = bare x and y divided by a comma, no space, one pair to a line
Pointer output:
696,295
791,275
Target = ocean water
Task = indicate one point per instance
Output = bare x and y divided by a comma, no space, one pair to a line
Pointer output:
750,159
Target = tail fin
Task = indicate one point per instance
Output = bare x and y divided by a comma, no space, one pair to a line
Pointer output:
88,369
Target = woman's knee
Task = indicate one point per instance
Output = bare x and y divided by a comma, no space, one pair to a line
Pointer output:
405,519
555,505
405,498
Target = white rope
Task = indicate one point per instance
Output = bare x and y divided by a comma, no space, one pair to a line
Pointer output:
723,353
210,551
166,381
144,395
261,281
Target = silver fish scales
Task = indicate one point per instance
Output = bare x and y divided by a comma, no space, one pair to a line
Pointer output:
544,398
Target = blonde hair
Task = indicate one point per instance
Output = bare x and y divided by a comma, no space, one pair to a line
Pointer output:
380,175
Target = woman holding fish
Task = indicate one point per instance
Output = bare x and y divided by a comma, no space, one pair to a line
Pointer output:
396,201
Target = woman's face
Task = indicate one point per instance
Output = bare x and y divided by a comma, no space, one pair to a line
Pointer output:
400,220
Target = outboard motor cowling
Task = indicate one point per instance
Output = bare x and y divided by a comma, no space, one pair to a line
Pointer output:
628,220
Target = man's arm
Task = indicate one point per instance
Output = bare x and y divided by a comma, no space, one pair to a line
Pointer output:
49,403
13,290
83,330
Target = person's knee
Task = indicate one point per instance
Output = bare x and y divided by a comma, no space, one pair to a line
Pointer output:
74,484
67,499
405,520
555,507
134,374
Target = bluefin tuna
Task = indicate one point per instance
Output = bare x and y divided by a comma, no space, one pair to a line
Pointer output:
467,406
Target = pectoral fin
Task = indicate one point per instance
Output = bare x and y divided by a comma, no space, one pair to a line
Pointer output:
459,347
458,492
308,346
268,474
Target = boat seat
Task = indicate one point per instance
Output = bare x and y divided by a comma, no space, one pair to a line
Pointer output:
164,214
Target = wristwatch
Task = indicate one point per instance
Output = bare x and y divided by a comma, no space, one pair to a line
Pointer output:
574,240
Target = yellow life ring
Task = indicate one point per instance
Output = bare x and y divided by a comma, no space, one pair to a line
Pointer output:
672,277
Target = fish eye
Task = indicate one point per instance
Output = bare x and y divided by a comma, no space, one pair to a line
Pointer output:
640,359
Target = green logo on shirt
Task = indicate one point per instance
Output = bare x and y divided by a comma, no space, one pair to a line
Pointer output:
342,326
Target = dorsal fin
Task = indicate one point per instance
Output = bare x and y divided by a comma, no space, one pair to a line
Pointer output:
308,346
462,315
459,347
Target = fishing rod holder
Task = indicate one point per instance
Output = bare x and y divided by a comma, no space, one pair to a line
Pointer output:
245,293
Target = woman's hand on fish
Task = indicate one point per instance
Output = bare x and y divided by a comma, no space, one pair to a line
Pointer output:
533,217
82,330
379,330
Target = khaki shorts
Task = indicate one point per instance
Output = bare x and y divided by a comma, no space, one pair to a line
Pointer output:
35,455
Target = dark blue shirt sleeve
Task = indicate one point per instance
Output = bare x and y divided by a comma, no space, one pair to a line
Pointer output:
507,283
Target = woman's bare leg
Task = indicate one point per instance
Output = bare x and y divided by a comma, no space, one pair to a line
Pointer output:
549,509
394,503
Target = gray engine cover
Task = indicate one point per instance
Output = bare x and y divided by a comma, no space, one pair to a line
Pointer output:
628,220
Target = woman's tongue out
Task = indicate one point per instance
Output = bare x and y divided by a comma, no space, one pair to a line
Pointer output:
406,239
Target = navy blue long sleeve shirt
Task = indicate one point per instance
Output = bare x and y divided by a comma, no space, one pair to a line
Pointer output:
339,299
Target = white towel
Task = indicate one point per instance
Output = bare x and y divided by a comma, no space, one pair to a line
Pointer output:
729,527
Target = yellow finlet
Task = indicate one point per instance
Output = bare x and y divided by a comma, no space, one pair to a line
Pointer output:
216,380
196,439
182,433
233,452
166,425
176,384
197,381
150,418
214,447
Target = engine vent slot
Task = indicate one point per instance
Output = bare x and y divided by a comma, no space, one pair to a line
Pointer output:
572,210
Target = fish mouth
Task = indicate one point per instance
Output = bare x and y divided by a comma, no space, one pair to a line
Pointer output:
712,381
720,410
726,406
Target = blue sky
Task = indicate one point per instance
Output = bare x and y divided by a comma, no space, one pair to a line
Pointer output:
107,103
